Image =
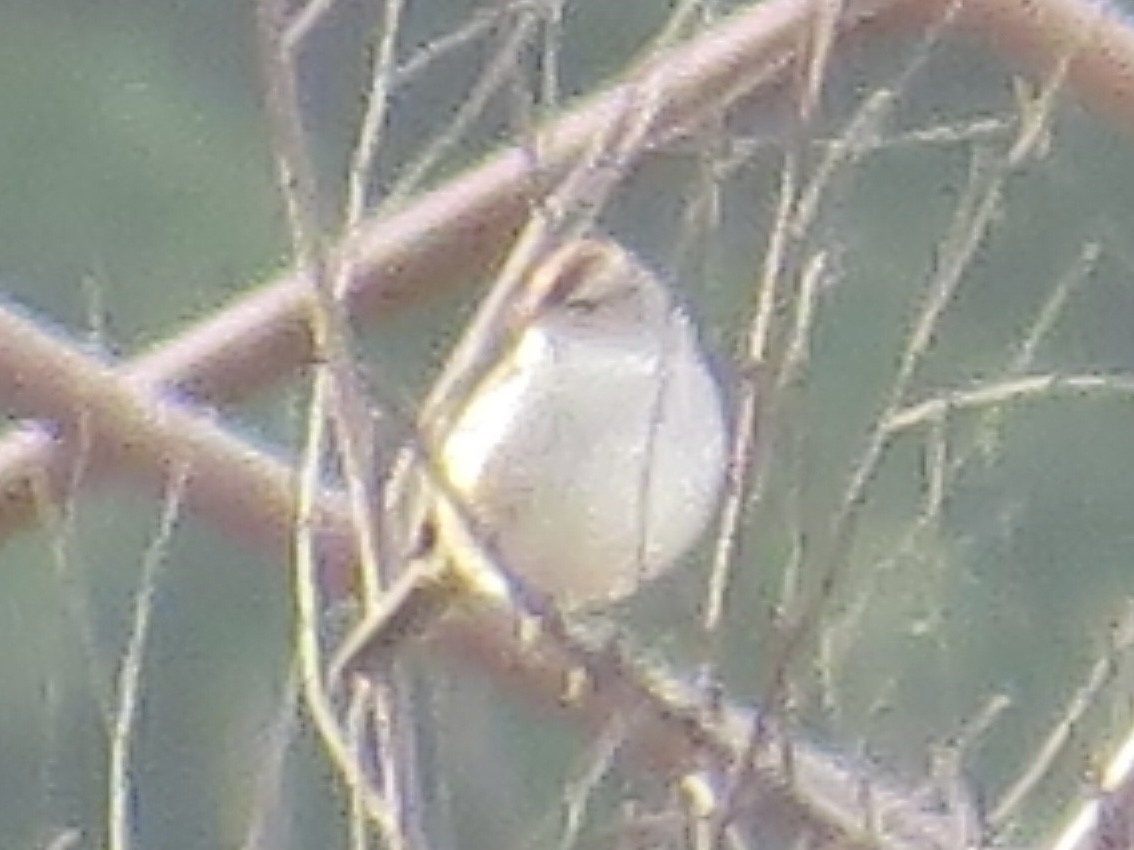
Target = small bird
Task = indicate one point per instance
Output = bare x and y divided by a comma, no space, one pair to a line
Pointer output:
593,453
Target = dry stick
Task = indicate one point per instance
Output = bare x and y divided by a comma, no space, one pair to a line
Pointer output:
945,464
1094,40
505,58
121,811
308,602
1105,821
1101,674
338,407
389,703
136,431
670,733
971,222
459,231
455,231
994,394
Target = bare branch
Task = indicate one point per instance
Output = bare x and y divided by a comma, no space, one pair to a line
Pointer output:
457,232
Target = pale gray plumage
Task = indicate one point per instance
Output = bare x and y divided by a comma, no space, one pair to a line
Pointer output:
594,452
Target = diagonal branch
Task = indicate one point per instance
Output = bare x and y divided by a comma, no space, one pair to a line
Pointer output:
459,231
671,730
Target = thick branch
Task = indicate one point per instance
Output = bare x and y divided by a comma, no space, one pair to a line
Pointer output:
667,730
459,231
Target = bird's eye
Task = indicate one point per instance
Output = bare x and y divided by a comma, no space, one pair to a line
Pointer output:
583,304
585,280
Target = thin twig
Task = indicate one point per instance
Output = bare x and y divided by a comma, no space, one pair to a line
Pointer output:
120,779
672,733
456,233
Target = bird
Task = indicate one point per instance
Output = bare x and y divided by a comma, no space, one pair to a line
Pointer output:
594,451
592,454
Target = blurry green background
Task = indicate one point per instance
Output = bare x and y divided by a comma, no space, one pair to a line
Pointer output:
136,196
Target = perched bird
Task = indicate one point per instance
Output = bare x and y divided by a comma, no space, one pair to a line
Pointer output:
591,455
594,451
